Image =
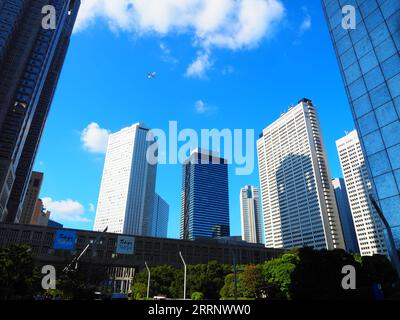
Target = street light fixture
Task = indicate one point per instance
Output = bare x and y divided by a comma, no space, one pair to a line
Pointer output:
184,276
148,280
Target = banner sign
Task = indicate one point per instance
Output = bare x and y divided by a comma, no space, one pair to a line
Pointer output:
65,240
125,245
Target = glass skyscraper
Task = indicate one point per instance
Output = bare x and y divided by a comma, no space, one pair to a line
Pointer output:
160,217
31,59
369,61
205,197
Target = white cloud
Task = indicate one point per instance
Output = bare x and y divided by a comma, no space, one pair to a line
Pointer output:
201,107
306,24
167,54
65,210
94,138
199,66
231,24
92,207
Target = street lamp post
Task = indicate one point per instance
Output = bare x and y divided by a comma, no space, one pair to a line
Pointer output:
148,280
184,275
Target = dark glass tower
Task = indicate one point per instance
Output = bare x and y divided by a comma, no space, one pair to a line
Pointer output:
369,61
346,219
205,197
31,59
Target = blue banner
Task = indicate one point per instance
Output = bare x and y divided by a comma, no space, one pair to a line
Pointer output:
125,245
65,240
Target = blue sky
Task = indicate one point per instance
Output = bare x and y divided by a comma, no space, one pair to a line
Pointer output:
249,69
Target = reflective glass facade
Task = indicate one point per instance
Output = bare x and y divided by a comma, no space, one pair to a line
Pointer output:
369,61
205,197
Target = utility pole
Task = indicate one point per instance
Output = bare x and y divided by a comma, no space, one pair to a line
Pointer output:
148,280
184,275
395,255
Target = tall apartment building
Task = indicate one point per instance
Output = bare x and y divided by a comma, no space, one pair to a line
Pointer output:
205,197
250,214
297,196
369,229
369,61
160,218
126,196
32,195
31,59
346,218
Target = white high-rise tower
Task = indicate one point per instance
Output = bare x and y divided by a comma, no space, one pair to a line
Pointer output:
250,214
126,196
297,197
369,229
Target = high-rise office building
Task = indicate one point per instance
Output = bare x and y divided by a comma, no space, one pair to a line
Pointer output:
126,196
31,59
346,218
159,220
250,214
298,201
31,196
367,224
369,61
40,216
205,197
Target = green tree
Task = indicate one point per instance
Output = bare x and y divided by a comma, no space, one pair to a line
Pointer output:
81,284
163,281
139,291
251,282
279,271
207,278
227,291
196,296
19,279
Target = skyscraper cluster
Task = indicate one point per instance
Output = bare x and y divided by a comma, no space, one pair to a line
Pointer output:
297,203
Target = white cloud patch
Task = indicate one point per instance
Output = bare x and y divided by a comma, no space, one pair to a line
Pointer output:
92,207
95,138
202,108
229,24
199,66
65,210
306,24
167,54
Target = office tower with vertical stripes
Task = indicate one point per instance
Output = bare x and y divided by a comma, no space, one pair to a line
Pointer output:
160,218
205,197
369,60
127,188
297,196
368,226
31,59
250,214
